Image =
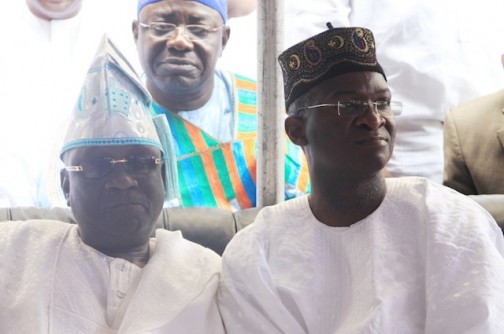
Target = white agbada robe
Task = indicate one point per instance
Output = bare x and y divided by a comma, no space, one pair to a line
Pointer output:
428,260
51,282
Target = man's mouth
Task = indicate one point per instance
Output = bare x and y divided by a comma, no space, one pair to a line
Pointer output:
373,140
173,64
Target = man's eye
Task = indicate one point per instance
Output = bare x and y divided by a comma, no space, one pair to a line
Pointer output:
353,105
100,163
162,28
198,30
382,104
141,164
97,167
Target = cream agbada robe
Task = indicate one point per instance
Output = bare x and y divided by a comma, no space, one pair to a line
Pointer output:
428,260
51,282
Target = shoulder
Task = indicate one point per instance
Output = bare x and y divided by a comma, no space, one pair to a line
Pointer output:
30,246
33,231
434,195
235,80
442,209
271,226
273,219
173,246
474,110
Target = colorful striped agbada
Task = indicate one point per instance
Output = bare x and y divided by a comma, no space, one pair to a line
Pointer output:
223,174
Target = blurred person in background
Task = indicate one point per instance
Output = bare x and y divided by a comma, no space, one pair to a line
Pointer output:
474,151
240,54
438,54
47,49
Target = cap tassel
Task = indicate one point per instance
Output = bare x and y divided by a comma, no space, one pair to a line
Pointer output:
167,142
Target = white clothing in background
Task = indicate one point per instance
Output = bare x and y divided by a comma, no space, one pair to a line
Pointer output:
54,283
436,55
216,116
240,54
42,67
428,260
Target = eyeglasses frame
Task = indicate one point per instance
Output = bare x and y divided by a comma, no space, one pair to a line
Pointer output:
338,104
179,27
113,161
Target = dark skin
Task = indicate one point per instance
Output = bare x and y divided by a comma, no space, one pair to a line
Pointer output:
346,155
116,213
179,71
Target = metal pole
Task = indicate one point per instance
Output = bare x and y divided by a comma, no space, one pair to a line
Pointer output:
271,106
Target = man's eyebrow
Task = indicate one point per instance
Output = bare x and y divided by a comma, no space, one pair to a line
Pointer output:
353,92
167,16
384,90
199,17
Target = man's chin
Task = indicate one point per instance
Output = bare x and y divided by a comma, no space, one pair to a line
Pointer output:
55,10
180,84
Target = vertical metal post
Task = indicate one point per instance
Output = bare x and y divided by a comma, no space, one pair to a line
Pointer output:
271,106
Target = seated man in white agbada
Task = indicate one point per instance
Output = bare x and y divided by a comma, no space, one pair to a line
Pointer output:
106,274
361,253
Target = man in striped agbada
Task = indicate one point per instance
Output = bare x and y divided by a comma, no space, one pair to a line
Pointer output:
211,112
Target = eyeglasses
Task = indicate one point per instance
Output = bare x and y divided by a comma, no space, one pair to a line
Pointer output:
100,167
353,108
193,32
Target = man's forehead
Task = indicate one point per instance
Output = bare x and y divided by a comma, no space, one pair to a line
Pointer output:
112,151
352,83
170,9
205,6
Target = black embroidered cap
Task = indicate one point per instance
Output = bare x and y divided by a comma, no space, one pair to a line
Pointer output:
330,53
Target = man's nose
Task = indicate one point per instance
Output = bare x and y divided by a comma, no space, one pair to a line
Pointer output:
371,118
121,178
179,40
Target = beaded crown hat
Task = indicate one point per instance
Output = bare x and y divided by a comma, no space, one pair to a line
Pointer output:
330,53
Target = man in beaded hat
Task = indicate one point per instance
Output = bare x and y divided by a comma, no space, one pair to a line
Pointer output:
212,112
361,253
106,273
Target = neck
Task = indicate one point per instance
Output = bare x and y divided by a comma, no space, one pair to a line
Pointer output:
344,201
181,100
139,256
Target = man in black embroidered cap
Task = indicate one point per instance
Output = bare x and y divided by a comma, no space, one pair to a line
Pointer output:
361,253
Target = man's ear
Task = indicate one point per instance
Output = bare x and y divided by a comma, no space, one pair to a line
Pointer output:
134,28
226,32
295,129
163,175
65,184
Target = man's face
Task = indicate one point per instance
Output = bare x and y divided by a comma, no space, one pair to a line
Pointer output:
347,145
179,64
116,210
54,9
